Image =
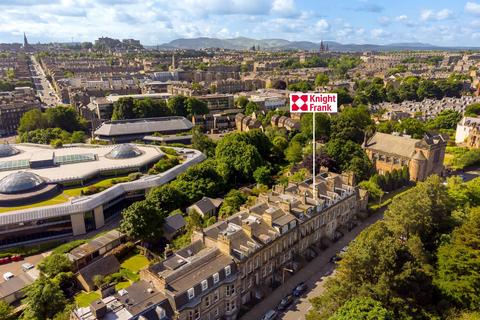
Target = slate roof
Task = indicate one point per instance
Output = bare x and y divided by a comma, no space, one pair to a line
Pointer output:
207,204
103,266
397,145
174,223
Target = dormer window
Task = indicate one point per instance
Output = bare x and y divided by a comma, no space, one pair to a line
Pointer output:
228,271
216,278
204,285
191,293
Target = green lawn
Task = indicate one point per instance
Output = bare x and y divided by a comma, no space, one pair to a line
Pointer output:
122,285
135,263
84,299
64,196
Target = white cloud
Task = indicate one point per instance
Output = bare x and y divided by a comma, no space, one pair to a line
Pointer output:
472,7
443,14
402,18
379,33
322,26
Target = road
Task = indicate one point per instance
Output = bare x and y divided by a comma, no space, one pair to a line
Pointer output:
312,274
43,87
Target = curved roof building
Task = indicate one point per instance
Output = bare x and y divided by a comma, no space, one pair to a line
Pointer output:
7,150
20,181
124,151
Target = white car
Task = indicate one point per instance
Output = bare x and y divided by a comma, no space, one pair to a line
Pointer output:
8,275
27,266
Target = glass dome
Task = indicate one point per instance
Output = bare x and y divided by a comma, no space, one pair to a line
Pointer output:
21,181
7,150
124,151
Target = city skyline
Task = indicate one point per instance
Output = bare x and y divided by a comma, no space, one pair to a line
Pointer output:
155,22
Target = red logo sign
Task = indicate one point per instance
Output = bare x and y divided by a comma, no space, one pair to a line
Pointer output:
299,102
313,102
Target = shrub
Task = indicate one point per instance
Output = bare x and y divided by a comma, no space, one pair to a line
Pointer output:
123,250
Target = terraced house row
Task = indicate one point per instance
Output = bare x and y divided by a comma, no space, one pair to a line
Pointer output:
236,262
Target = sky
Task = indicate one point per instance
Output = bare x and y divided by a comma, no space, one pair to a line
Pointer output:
438,22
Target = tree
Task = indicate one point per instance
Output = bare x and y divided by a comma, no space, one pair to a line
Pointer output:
231,203
123,109
322,125
351,124
321,80
200,180
472,110
263,175
195,107
176,105
142,220
251,107
447,119
166,198
238,159
6,311
293,153
44,299
422,211
412,127
64,117
301,86
55,264
279,85
202,142
428,89
363,308
458,274
408,89
32,120
241,102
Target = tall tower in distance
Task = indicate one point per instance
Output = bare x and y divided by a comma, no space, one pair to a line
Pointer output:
26,45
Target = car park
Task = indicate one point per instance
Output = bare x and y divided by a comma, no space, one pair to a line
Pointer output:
299,289
285,303
7,276
270,315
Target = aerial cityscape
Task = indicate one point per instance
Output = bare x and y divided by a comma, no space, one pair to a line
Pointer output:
239,159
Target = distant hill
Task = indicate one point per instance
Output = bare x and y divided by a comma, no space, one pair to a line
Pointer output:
243,43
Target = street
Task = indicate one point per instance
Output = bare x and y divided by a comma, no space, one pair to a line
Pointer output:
42,86
312,274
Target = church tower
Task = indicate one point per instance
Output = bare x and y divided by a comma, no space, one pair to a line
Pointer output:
26,45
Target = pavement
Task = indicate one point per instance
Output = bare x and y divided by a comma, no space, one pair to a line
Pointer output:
313,274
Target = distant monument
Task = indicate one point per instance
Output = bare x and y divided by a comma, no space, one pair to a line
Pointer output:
26,45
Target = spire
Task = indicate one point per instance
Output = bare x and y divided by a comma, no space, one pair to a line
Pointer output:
25,41
173,62
322,46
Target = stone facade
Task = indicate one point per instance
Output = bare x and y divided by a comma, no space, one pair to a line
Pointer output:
423,157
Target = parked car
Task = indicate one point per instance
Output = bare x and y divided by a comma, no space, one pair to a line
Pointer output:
270,315
27,266
286,302
7,276
4,260
300,289
335,258
17,257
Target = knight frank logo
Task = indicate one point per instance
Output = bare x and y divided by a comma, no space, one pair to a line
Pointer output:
313,102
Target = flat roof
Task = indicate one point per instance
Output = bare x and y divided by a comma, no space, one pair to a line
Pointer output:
115,98
143,126
79,170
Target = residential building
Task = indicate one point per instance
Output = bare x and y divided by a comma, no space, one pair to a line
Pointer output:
467,132
13,105
206,207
